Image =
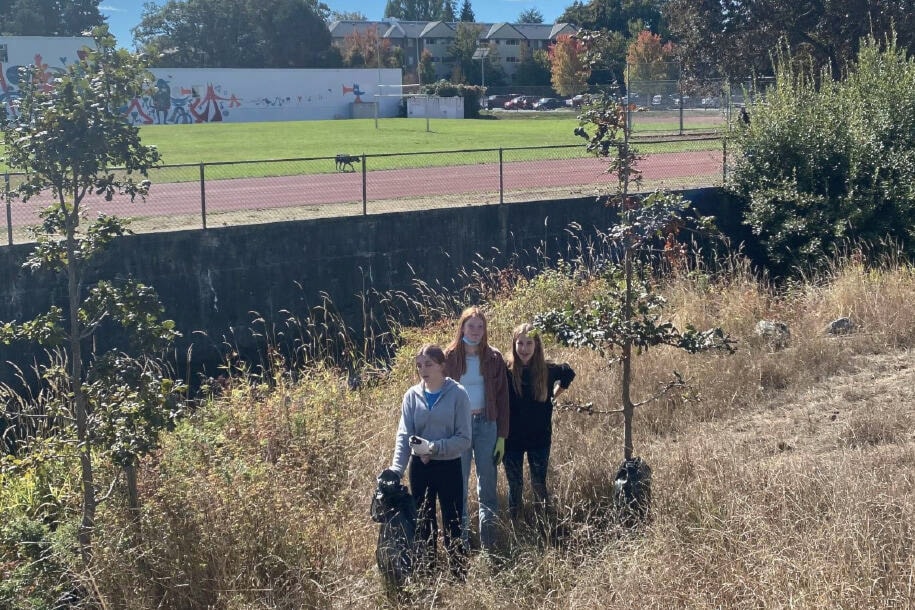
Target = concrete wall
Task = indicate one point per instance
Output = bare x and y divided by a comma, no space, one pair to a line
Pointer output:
205,95
217,281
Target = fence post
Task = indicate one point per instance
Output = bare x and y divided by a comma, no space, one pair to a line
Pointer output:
501,180
724,159
203,196
365,199
9,208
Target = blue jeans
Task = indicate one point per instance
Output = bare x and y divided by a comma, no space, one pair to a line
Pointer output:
538,461
483,444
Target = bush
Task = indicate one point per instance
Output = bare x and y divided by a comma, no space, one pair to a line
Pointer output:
823,162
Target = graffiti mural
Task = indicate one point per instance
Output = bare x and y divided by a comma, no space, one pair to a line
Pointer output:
9,80
186,104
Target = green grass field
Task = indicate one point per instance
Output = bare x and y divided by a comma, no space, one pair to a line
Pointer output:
240,142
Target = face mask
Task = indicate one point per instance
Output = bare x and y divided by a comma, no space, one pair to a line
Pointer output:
469,342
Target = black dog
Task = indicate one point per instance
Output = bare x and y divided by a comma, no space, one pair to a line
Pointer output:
343,161
394,508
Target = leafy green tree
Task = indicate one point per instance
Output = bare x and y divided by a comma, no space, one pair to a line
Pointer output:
569,65
467,12
235,33
449,11
467,69
49,17
533,68
623,16
530,15
725,38
68,140
821,163
628,318
413,10
347,16
426,67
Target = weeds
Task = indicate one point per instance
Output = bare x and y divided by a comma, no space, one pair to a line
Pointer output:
784,480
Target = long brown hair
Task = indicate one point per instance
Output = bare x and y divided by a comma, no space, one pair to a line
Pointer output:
457,345
537,364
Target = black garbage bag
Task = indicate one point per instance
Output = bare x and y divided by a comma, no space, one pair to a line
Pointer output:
394,508
632,492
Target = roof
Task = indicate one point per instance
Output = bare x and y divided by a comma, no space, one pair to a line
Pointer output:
394,28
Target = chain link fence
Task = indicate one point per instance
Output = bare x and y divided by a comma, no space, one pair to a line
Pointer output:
233,193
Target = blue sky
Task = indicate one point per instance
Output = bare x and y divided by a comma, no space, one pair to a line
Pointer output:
124,14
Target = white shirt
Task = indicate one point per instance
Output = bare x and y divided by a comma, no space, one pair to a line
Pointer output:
472,380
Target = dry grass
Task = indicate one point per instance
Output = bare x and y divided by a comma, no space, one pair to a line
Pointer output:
785,479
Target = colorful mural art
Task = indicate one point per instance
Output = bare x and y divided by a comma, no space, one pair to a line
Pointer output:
242,95
10,75
211,95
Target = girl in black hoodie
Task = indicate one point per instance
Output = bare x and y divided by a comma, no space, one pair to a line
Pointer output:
532,385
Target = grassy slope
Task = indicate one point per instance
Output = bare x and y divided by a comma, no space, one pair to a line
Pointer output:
786,481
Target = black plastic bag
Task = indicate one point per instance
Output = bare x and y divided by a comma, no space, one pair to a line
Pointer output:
632,492
394,509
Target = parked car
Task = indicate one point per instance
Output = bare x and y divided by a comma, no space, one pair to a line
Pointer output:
521,102
709,102
494,101
576,100
547,103
656,100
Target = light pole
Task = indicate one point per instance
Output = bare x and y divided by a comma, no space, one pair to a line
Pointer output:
482,53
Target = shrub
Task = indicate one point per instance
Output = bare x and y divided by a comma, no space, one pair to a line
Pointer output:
826,161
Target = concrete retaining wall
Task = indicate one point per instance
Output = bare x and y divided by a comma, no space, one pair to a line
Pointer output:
214,283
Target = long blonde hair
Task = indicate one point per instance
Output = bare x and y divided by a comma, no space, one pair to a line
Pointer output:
457,345
537,364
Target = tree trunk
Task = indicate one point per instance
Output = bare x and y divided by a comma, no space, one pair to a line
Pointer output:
81,401
133,496
626,382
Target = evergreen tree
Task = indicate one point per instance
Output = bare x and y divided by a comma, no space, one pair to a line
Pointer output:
467,12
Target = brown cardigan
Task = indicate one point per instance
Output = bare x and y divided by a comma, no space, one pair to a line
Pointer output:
495,384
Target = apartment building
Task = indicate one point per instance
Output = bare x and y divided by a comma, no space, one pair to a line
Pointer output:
413,37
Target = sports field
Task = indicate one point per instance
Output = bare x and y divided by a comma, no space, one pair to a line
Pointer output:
227,174
212,142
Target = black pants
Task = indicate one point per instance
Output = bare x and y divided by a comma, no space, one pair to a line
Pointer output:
442,480
538,462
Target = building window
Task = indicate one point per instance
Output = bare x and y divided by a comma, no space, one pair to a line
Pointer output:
513,42
512,59
4,55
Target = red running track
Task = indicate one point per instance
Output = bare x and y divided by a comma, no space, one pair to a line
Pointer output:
582,174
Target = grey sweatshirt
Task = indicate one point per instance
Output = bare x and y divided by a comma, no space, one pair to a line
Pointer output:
447,424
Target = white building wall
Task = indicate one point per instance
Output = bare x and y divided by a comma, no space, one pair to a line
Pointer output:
206,95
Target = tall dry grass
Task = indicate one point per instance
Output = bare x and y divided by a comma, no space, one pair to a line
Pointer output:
782,479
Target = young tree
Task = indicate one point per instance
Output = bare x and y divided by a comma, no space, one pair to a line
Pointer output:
533,68
628,317
467,12
426,68
649,59
68,139
361,49
569,65
531,15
